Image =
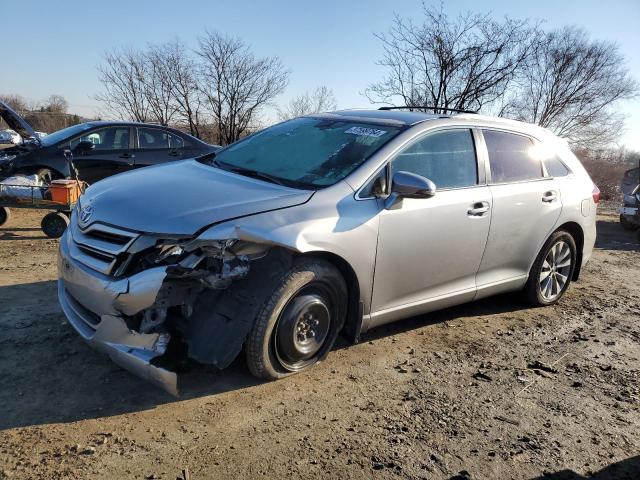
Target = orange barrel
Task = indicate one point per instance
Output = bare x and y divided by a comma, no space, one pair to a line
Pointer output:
64,191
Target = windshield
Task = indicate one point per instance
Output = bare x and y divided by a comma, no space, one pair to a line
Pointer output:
310,152
64,134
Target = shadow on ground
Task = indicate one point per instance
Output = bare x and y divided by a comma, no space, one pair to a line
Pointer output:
10,234
611,236
628,469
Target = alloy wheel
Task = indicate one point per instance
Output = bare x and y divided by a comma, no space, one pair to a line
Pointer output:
555,271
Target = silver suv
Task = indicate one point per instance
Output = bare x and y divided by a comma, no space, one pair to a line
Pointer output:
330,223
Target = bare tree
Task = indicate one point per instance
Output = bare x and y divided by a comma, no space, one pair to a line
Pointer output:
321,99
17,102
181,70
46,116
55,104
570,85
123,79
465,63
236,84
158,85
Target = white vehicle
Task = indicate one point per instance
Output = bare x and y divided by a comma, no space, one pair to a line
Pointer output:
9,137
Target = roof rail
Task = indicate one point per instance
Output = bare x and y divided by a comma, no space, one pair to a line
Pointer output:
427,107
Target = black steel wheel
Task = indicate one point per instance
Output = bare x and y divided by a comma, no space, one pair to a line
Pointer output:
302,329
5,215
54,224
299,323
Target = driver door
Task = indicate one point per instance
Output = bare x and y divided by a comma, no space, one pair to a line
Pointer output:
430,249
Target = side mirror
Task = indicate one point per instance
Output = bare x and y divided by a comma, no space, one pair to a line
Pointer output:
409,185
84,147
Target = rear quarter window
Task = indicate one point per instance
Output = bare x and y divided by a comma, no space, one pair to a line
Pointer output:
555,167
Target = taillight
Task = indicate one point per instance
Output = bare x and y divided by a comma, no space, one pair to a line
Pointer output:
595,194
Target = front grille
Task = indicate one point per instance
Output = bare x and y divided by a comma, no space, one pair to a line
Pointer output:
101,247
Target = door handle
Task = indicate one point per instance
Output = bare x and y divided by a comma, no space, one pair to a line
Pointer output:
550,196
128,156
173,153
478,209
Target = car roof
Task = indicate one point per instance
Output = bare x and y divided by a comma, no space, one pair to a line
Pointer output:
99,123
107,123
389,117
409,118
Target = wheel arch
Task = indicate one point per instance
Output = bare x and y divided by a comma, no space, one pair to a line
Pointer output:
353,322
575,230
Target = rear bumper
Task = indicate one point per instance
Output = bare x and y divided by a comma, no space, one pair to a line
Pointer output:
93,304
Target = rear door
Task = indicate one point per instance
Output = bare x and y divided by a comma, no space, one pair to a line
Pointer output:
155,146
111,155
526,207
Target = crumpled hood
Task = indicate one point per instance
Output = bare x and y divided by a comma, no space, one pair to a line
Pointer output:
179,198
16,122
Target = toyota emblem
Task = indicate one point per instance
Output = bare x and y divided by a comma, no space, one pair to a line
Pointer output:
85,214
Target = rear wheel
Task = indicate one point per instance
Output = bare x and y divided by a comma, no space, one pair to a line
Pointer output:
5,215
627,225
552,271
299,323
54,224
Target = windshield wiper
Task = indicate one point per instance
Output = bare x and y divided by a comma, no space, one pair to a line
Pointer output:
255,174
247,172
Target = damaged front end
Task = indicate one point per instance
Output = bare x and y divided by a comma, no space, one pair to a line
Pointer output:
146,302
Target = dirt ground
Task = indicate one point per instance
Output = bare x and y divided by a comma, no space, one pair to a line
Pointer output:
454,394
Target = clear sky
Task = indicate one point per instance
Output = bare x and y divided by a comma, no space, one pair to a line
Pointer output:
54,47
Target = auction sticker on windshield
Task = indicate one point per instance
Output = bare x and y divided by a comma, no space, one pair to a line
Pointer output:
369,132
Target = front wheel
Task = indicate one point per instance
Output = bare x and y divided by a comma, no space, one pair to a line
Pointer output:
299,323
552,271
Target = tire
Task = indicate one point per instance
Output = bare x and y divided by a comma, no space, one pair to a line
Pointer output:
54,224
299,322
627,225
5,215
539,292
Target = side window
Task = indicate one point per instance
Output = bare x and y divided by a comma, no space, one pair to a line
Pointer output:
111,138
175,141
511,157
156,138
448,158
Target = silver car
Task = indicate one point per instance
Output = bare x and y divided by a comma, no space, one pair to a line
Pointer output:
321,225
